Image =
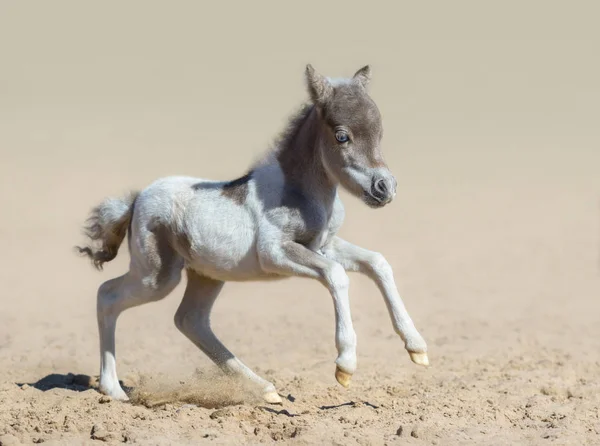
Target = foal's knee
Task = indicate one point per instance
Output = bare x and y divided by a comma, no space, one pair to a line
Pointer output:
336,278
378,265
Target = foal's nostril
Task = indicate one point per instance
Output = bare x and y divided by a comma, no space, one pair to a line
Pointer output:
380,189
381,186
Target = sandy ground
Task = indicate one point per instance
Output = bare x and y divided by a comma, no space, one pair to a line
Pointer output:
494,237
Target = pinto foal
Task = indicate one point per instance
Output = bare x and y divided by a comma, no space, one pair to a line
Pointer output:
279,220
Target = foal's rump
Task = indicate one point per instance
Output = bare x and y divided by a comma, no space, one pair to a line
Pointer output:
131,214
182,221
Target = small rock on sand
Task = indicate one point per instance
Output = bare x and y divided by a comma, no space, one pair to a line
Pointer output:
99,433
416,432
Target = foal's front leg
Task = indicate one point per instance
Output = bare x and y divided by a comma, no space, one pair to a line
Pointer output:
374,265
293,259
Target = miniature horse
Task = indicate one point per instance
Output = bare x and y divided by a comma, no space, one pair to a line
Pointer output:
279,220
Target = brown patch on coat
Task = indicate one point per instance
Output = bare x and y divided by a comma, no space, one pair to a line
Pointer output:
237,190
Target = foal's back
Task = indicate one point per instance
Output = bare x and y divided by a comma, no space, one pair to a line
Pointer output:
211,225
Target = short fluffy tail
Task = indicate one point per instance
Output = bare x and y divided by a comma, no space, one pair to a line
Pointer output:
106,227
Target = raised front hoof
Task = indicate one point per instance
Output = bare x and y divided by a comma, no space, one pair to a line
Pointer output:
419,358
343,378
272,398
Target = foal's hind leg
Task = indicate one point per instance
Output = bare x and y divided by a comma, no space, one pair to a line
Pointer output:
154,272
193,320
115,296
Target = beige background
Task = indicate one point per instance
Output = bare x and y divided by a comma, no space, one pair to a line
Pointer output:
491,113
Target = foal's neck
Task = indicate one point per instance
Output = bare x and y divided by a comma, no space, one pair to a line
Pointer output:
300,159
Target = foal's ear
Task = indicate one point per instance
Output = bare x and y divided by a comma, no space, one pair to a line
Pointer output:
319,87
363,76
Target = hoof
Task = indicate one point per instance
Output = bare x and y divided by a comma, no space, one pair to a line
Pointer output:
118,396
342,377
272,398
419,358
115,393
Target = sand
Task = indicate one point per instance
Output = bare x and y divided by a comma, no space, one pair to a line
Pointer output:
491,119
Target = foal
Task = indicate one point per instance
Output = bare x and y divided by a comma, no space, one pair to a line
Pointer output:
279,220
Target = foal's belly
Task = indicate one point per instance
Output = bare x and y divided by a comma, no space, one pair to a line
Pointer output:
213,263
223,245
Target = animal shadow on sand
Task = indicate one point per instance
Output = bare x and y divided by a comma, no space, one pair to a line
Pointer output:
208,389
225,393
70,381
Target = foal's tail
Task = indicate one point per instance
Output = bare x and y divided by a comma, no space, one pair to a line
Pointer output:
106,227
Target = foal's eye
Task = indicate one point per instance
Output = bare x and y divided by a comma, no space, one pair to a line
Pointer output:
342,136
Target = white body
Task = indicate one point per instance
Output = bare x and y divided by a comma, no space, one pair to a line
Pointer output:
278,221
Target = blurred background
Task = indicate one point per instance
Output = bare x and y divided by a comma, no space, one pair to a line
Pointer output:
491,115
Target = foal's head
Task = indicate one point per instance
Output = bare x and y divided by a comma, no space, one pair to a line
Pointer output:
351,136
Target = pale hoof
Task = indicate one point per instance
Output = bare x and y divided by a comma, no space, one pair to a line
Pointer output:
342,377
272,398
116,394
419,358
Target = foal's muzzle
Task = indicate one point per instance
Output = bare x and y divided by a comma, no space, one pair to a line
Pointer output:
383,190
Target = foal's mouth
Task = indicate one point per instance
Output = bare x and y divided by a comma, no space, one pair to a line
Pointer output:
373,202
